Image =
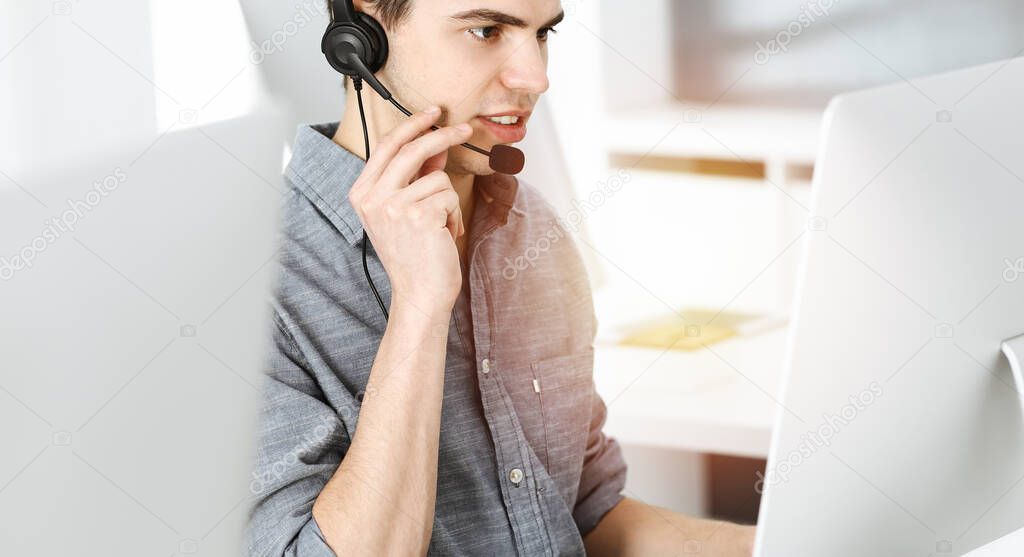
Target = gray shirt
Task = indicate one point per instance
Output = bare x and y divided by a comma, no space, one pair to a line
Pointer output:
523,466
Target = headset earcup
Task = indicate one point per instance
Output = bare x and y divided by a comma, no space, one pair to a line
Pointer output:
340,40
365,37
378,51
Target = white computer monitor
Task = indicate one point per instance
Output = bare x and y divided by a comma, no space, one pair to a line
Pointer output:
900,429
133,331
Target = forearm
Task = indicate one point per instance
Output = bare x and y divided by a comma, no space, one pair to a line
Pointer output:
380,501
635,528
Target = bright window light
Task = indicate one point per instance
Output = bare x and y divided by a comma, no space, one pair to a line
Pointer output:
201,62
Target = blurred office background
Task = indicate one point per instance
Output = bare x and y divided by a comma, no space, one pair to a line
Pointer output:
678,138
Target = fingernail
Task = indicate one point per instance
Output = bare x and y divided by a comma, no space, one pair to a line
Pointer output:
464,127
434,109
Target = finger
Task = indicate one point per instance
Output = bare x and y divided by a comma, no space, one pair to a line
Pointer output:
447,202
436,162
412,156
456,226
389,145
454,222
426,186
435,182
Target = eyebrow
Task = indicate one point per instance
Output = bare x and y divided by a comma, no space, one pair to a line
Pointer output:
483,14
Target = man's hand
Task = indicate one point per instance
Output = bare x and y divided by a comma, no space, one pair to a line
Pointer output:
411,211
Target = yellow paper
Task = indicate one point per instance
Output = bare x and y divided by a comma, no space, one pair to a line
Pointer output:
690,330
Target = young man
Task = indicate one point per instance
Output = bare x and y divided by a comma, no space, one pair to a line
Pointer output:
467,423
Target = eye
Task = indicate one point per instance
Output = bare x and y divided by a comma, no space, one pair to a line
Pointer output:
484,34
542,35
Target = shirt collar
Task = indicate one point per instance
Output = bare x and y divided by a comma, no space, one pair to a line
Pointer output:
325,171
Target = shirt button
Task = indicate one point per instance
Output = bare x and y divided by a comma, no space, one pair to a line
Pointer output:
515,476
485,366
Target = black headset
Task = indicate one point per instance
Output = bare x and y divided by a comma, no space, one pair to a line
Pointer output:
356,45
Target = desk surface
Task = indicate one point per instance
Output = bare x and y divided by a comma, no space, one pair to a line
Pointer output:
721,399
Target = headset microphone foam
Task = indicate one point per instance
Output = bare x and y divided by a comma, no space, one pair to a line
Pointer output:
506,159
354,39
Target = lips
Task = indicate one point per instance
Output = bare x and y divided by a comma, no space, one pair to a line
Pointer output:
506,133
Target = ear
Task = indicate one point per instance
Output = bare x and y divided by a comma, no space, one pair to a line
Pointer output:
365,7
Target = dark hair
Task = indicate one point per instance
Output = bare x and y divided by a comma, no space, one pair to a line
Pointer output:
388,12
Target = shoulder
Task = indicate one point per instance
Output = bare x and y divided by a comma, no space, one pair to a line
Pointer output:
534,217
306,233
316,264
543,238
536,261
530,202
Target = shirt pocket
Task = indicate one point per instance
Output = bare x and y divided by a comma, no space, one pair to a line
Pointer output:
564,390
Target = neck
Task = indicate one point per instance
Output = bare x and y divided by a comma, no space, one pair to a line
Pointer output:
381,118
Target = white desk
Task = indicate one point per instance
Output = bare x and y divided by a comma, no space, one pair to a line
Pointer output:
714,400
1010,545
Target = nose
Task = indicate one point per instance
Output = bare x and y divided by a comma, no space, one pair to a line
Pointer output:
527,69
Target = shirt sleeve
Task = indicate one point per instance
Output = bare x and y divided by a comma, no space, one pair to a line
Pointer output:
604,468
604,472
301,441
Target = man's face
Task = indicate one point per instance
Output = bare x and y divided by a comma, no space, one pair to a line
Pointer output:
473,58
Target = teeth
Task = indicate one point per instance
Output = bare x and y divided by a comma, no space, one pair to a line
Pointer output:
505,120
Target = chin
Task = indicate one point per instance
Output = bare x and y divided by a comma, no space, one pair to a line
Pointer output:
472,163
